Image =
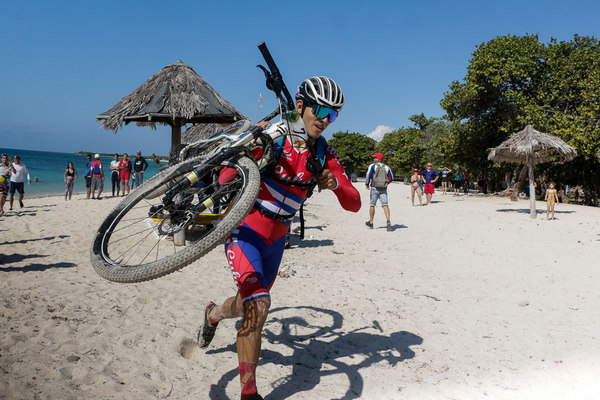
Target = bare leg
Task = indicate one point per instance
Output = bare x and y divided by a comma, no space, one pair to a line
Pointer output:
412,195
249,340
547,209
231,308
386,211
12,197
371,213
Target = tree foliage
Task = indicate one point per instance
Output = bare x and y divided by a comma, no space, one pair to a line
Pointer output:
413,147
354,150
513,81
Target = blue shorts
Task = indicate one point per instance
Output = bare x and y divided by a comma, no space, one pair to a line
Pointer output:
254,261
16,186
380,194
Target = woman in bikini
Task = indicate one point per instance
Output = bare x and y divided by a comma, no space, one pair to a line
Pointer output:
71,177
551,199
445,172
416,180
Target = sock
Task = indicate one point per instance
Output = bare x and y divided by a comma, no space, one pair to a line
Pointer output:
247,379
215,315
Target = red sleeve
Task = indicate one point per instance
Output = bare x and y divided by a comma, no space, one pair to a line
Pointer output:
346,193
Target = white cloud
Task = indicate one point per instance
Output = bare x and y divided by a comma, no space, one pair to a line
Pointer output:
380,131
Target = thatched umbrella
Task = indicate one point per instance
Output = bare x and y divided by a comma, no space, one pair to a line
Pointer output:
531,147
175,96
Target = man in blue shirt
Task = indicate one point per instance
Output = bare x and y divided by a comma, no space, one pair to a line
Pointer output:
431,176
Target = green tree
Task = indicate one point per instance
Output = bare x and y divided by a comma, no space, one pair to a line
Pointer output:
412,147
513,81
354,150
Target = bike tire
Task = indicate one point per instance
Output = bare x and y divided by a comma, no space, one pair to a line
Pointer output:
119,221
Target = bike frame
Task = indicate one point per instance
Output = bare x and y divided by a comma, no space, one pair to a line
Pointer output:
235,144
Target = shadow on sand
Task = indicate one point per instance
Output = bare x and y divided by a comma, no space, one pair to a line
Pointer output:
321,351
35,240
15,258
527,211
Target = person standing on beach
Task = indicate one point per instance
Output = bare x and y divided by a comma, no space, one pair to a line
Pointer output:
457,182
431,176
4,180
125,173
255,248
139,167
416,180
445,172
88,175
378,178
551,199
481,182
466,182
71,177
97,176
115,178
17,171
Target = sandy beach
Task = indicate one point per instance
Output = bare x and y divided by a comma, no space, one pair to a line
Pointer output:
467,298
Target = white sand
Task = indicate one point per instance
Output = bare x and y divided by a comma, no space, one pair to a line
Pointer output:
468,298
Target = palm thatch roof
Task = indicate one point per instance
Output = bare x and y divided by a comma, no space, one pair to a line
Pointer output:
531,143
176,95
201,131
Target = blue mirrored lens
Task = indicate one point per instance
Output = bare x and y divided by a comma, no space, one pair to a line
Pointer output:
322,112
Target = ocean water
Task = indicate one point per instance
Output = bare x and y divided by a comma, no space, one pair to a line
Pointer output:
49,167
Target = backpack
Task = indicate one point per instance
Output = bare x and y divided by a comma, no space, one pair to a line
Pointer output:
96,167
380,178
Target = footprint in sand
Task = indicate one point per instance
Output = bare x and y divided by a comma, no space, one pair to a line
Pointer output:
188,348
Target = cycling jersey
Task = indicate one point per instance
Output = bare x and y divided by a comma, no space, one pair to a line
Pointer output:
254,251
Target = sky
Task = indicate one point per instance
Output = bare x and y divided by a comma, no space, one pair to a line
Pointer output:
64,62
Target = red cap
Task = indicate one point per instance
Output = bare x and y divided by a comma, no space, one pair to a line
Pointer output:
428,164
378,155
416,170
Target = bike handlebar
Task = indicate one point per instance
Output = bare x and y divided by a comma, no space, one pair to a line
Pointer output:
275,80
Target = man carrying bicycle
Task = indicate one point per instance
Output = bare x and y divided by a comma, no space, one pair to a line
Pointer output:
255,248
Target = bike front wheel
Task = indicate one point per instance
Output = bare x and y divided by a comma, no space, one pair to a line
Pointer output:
143,239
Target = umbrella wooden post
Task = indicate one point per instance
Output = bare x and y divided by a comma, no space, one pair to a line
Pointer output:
175,136
533,211
179,237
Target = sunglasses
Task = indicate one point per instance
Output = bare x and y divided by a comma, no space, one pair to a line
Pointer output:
322,112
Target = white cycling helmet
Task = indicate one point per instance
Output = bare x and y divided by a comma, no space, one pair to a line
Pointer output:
321,90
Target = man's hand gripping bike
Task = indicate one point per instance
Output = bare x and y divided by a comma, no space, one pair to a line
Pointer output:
186,210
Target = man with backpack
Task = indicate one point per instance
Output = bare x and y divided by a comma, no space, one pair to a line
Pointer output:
379,176
97,176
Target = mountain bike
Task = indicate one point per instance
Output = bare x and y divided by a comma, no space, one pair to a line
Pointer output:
182,213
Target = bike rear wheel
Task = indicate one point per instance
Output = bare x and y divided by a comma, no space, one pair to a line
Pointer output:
135,242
